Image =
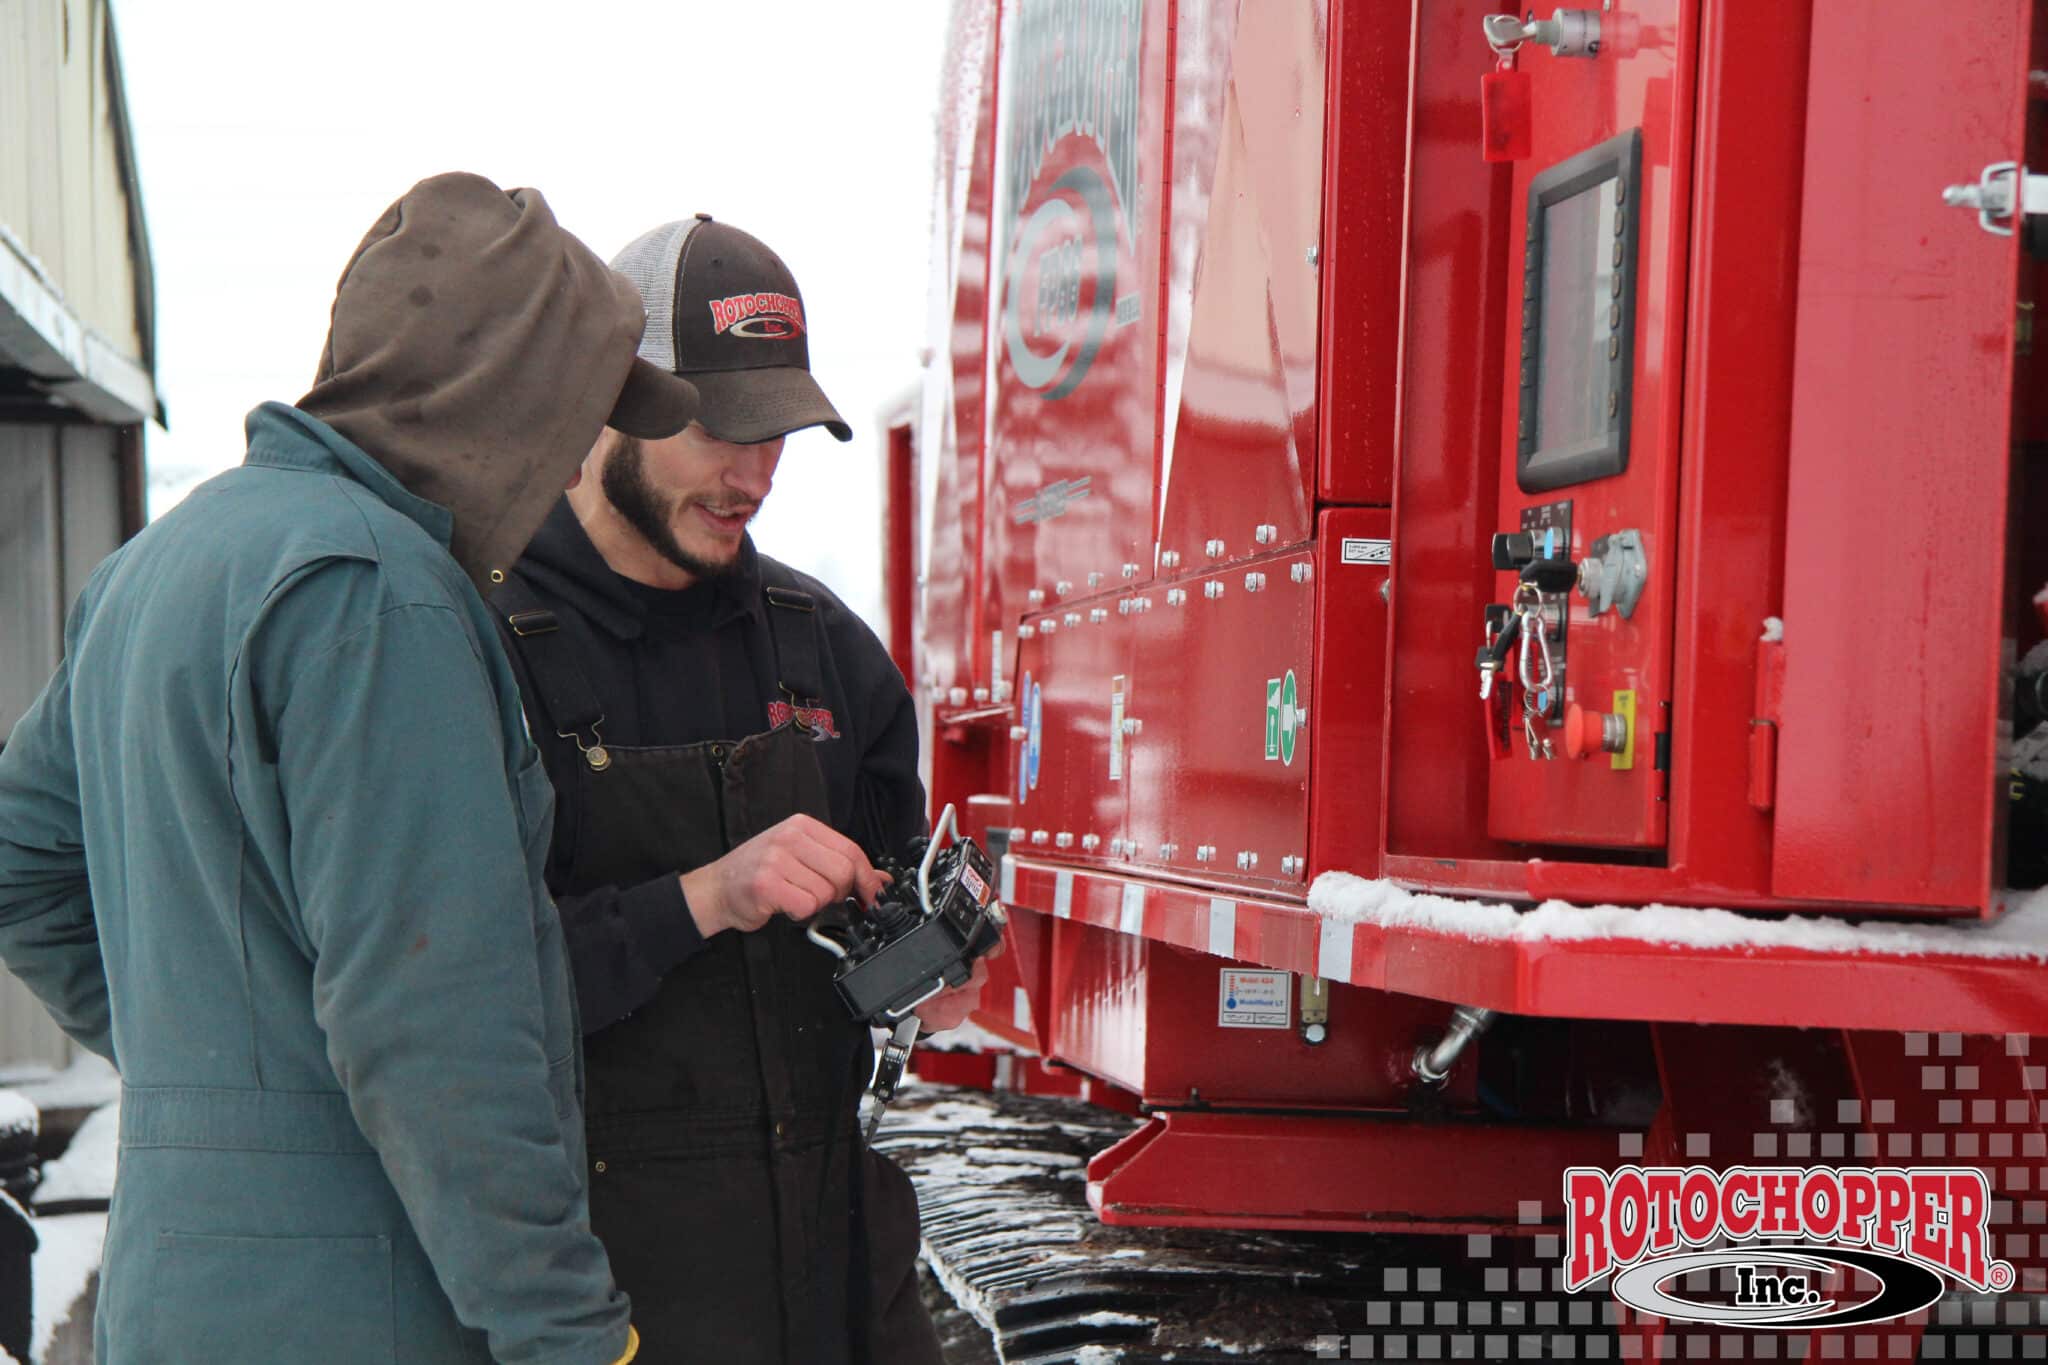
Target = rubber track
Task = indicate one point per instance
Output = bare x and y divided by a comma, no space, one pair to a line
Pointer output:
1001,1181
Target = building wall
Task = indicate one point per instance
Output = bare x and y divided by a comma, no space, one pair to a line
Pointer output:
61,501
63,192
70,487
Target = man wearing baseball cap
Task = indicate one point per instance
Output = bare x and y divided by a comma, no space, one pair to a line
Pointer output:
732,748
272,838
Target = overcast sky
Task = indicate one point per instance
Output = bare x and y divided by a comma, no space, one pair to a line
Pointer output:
272,133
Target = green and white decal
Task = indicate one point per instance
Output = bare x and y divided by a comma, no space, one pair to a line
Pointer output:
1283,718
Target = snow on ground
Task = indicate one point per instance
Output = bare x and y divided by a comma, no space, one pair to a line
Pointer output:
67,1258
86,1170
968,1036
87,1083
18,1116
2022,932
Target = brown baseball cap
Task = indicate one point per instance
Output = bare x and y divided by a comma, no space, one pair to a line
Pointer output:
724,312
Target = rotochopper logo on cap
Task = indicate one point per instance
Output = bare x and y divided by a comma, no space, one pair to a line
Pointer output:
766,316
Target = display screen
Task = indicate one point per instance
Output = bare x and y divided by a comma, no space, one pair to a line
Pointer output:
1578,317
1574,374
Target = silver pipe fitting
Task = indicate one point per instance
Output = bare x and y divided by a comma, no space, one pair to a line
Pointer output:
1432,1065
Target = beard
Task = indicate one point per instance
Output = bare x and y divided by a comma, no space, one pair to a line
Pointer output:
648,511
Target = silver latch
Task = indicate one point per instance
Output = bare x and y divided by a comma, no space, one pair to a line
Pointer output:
2004,191
1614,573
1567,32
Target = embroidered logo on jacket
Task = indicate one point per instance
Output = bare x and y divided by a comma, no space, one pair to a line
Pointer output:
810,717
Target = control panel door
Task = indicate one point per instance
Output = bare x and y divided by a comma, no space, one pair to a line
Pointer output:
1889,785
1579,705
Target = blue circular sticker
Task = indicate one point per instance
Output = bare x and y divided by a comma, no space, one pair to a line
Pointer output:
1034,733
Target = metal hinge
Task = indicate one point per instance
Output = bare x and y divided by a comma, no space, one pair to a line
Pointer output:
2003,193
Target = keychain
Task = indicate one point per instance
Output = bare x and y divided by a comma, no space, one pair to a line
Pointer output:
1505,99
1535,637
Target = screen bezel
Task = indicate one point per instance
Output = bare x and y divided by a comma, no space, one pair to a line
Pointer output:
1537,468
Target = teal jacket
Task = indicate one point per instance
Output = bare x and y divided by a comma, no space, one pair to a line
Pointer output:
272,841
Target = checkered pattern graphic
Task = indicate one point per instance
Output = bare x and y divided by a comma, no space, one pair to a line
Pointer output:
650,261
1959,1101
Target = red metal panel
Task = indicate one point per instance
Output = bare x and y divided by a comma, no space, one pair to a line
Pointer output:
1072,666
1641,79
1348,703
1738,405
1097,1012
1240,379
1219,703
955,408
899,544
1364,147
1074,322
1337,1174
1453,314
1895,544
1150,1019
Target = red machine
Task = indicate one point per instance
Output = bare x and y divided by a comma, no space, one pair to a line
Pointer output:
1511,461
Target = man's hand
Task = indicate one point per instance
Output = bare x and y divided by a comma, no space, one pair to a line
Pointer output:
949,1009
796,869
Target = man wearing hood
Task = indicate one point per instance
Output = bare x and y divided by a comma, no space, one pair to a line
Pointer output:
272,839
733,748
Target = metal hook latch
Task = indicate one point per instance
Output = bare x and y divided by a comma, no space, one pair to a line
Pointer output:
2003,191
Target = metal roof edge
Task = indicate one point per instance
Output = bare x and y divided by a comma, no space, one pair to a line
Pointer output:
70,360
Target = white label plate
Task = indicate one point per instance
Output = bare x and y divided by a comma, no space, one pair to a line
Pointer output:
1258,999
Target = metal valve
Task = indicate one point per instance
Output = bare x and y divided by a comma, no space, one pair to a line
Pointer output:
1567,32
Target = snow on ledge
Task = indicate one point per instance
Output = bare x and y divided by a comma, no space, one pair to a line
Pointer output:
1341,898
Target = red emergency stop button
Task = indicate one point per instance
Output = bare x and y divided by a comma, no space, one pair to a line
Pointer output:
1593,732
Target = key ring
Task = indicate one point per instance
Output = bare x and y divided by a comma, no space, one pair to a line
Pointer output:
1505,34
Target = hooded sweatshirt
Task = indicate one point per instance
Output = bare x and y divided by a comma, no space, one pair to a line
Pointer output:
272,840
475,351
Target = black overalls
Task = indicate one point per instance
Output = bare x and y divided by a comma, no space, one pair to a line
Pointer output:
721,1114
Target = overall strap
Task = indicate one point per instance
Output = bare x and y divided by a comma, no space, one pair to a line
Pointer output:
570,702
792,622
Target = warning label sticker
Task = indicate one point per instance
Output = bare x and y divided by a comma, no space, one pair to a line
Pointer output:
1359,550
1254,999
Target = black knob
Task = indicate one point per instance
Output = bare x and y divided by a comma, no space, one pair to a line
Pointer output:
1513,549
1550,575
